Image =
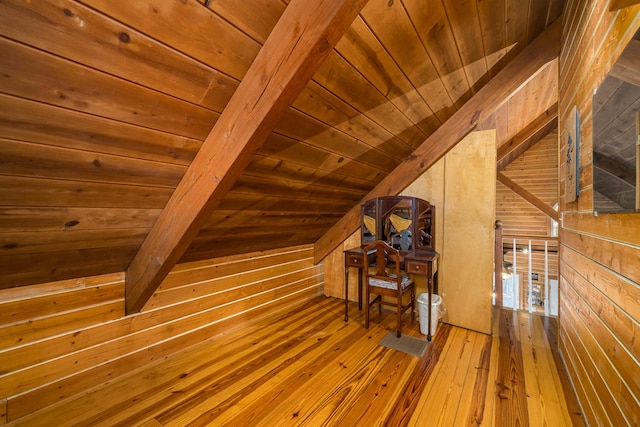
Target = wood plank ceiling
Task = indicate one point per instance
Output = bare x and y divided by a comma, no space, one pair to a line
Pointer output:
104,106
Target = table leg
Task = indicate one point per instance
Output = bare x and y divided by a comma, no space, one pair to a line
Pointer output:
360,274
346,294
429,290
435,283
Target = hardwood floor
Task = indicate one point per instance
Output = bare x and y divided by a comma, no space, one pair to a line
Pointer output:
308,367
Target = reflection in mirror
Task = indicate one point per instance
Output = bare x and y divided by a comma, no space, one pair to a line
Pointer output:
404,222
616,130
425,238
369,221
397,224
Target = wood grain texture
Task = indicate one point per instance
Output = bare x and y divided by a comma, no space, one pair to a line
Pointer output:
137,89
536,171
289,59
552,330
618,4
465,274
76,31
498,91
58,339
511,404
598,254
55,126
526,195
56,84
306,366
526,138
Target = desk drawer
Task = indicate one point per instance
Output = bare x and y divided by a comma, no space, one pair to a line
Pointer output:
355,260
417,267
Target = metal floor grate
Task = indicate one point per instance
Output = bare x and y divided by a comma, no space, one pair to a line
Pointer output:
405,343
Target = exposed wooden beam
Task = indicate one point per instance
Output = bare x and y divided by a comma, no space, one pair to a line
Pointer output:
614,168
531,61
619,4
627,67
303,37
527,137
522,192
637,161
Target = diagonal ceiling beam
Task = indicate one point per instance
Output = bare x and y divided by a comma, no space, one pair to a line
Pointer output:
303,37
619,4
527,137
531,61
627,66
529,197
615,168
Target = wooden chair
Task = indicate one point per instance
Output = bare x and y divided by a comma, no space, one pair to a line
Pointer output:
383,283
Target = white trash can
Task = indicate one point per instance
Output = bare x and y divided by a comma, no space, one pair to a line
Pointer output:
437,311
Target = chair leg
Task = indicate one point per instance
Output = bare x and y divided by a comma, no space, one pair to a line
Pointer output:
399,310
366,308
413,306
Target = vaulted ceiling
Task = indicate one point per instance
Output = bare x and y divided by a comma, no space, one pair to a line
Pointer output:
104,107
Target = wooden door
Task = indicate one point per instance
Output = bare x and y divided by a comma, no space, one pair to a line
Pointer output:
466,263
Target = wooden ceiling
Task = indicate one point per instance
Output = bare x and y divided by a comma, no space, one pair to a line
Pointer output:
103,107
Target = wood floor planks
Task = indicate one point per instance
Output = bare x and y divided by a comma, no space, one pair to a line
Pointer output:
552,332
308,367
542,386
511,405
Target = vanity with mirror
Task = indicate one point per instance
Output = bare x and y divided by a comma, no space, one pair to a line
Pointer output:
616,135
405,223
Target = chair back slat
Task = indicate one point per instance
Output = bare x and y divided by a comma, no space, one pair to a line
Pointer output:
381,282
385,257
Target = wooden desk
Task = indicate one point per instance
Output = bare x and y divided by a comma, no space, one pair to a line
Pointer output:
417,263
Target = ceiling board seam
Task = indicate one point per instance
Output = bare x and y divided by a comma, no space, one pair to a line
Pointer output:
333,129
169,46
472,91
379,92
386,49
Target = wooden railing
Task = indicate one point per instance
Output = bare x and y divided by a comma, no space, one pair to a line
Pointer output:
531,263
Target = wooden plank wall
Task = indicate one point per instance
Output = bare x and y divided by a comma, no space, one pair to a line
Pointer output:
537,259
599,269
62,338
536,171
537,267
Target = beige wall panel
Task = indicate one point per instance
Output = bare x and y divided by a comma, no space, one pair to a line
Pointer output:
464,228
430,186
466,267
